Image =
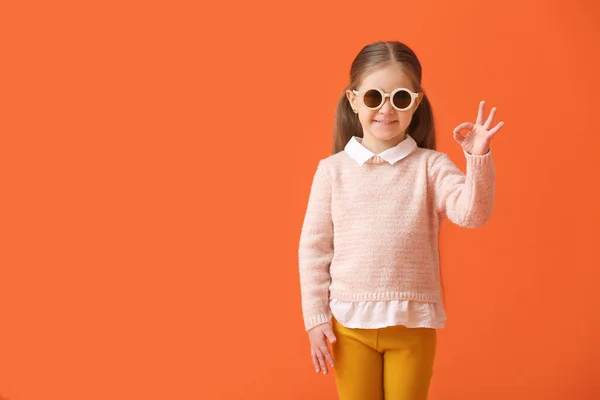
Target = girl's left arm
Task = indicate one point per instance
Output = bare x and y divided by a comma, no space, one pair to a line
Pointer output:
468,199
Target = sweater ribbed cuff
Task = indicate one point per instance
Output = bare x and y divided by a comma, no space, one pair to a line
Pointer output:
479,159
310,321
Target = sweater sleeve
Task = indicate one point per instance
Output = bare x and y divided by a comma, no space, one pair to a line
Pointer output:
316,251
466,199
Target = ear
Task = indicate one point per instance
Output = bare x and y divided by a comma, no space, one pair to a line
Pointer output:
418,101
351,99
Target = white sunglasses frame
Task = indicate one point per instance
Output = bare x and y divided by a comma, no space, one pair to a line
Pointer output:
384,95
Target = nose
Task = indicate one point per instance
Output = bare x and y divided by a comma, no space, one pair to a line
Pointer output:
386,108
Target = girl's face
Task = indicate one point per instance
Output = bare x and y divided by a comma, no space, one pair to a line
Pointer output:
386,123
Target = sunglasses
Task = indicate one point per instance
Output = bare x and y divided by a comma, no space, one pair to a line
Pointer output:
402,99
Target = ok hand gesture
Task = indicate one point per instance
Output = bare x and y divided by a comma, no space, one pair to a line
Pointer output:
477,140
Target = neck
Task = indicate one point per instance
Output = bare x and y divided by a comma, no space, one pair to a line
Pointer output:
377,145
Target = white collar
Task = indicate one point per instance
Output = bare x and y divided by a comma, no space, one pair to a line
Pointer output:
361,154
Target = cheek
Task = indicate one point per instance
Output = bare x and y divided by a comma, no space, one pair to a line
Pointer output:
405,118
367,116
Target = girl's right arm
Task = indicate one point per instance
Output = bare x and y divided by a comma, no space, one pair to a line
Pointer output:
316,251
315,254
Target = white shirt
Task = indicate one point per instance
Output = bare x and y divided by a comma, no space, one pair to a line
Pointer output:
379,314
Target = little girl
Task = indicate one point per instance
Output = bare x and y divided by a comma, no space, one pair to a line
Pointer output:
368,252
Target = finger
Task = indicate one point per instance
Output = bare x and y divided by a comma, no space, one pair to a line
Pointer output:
490,119
321,361
315,361
464,125
496,128
479,120
458,137
327,355
330,336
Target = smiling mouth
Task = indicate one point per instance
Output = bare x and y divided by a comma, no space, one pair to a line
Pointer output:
385,122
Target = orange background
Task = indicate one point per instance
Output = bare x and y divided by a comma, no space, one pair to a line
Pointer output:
155,163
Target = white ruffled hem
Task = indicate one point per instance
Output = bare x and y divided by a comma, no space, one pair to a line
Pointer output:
379,314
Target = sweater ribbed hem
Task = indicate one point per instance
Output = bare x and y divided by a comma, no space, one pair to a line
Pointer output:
310,321
384,296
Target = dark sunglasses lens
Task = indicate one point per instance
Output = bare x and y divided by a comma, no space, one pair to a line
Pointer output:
372,98
402,99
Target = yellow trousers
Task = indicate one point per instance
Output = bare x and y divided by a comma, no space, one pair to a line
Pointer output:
392,363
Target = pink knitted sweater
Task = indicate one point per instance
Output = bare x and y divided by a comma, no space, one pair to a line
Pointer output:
372,233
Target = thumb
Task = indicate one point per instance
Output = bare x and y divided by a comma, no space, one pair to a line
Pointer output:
329,335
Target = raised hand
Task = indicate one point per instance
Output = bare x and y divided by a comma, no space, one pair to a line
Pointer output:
477,140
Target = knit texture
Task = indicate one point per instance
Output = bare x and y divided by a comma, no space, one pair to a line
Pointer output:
371,232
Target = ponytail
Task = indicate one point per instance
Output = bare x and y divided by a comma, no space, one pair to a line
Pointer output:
346,124
422,127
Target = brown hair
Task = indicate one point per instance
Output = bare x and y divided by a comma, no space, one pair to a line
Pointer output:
370,58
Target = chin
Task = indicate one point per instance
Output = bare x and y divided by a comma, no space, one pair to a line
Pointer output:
386,135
